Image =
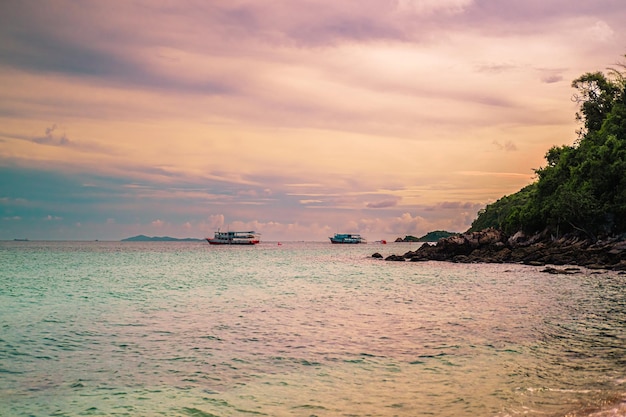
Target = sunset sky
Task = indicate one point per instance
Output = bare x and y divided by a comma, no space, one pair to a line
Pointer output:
297,119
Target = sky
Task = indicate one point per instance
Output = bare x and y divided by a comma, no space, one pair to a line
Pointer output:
296,119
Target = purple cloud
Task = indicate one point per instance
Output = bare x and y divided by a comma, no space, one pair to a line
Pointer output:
51,138
551,78
392,202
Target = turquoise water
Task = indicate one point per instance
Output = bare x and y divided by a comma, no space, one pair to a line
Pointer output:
301,329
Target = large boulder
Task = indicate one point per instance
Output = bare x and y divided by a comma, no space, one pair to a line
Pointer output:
492,246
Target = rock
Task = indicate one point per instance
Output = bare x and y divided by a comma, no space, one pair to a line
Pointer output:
596,266
492,246
621,266
377,255
461,259
566,271
395,258
517,239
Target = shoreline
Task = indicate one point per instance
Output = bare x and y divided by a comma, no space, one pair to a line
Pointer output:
492,246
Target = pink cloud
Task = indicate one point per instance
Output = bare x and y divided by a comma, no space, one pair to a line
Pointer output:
383,203
157,223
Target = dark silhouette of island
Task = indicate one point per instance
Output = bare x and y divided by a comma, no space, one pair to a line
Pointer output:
428,237
144,238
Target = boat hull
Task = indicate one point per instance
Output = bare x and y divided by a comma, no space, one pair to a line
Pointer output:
234,238
347,239
231,242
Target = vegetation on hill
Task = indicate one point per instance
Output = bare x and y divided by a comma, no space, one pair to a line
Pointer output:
582,189
435,236
428,237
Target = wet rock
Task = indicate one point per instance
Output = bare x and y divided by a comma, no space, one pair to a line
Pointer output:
396,258
597,266
492,246
565,271
620,266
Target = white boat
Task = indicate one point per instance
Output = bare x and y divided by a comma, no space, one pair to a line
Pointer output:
234,238
347,238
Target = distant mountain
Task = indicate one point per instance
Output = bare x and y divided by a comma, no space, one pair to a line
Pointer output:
428,237
144,238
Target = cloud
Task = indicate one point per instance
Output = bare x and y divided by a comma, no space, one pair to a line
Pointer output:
391,202
496,68
13,218
255,193
456,205
310,201
157,223
507,146
601,31
216,221
13,201
265,115
428,7
51,138
551,78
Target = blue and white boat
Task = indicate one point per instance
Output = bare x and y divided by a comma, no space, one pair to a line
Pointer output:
347,238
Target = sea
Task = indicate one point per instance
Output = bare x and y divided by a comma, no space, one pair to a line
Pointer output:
301,329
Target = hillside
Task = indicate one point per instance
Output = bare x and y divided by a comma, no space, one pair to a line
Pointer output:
428,237
582,189
143,238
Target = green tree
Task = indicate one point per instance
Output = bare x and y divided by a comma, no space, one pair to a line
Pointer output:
595,95
582,188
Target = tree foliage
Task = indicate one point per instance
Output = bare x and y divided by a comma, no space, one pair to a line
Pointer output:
595,94
582,188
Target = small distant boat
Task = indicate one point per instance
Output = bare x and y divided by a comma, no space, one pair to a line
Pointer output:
347,238
234,238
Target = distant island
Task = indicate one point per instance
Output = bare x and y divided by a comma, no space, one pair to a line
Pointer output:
144,238
428,237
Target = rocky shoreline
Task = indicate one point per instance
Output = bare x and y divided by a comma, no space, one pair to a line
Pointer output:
492,246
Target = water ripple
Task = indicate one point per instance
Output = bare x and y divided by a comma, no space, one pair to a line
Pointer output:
108,328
